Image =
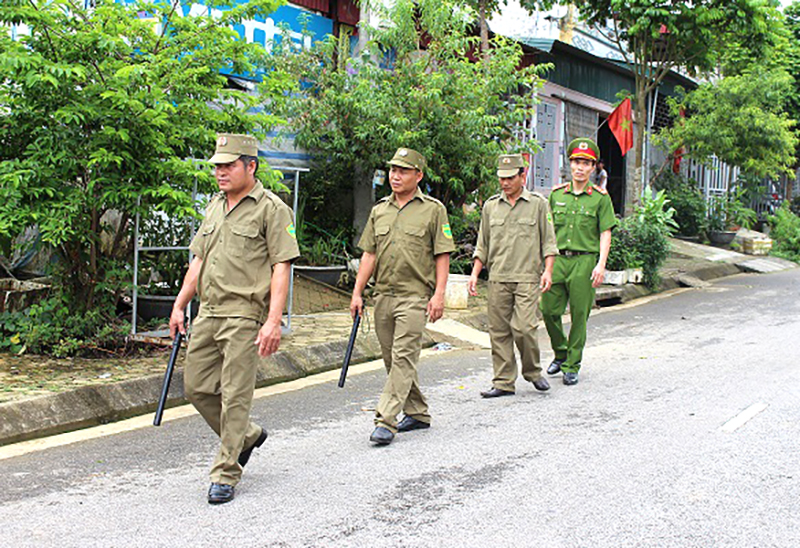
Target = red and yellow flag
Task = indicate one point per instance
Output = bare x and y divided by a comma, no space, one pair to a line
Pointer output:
620,122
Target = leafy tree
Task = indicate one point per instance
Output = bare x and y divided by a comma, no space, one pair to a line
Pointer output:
657,36
419,85
103,107
741,120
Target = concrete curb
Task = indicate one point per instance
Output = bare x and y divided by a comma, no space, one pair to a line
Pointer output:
93,405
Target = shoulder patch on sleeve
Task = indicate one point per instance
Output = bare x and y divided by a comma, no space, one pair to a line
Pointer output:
446,231
290,229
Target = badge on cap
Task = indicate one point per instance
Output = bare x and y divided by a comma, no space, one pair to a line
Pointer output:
506,160
222,141
402,152
583,145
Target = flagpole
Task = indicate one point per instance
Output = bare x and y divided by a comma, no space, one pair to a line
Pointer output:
594,137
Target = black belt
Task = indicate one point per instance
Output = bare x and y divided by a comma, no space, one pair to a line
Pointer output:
570,253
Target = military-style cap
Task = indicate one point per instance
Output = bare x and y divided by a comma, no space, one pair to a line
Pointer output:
583,148
509,165
405,157
232,145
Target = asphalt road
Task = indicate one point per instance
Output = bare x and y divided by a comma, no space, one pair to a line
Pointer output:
640,453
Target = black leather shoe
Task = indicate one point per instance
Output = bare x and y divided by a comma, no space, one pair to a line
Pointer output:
570,378
555,366
220,493
541,384
381,436
496,393
410,423
244,456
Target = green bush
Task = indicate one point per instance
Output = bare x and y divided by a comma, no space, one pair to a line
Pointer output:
465,234
785,233
638,243
50,327
622,254
795,205
686,199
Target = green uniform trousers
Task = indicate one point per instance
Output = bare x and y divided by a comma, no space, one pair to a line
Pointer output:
399,323
514,318
572,283
219,380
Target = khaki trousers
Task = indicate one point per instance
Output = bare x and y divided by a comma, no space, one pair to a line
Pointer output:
219,379
399,323
513,318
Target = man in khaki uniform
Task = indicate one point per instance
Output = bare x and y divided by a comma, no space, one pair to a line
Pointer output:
517,242
407,244
243,253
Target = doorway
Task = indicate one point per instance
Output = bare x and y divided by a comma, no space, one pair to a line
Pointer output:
615,165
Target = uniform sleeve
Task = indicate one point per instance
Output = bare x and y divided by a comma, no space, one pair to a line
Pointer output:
547,236
206,226
367,241
196,246
482,245
605,214
443,235
281,238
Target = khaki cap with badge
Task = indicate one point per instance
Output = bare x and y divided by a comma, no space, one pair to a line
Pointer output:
230,146
406,157
583,148
508,165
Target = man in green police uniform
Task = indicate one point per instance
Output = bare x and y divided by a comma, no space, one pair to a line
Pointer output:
243,253
407,244
584,217
517,242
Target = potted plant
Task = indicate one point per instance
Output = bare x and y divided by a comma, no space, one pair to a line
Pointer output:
620,256
323,258
726,215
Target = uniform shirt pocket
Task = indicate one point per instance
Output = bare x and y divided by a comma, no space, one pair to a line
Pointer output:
418,245
382,233
526,227
244,238
559,215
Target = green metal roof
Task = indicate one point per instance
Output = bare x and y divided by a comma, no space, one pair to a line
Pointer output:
581,71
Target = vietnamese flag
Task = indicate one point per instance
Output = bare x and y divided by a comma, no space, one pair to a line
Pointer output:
620,122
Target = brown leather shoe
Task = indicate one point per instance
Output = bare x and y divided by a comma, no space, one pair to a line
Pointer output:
220,493
496,393
410,423
244,456
541,384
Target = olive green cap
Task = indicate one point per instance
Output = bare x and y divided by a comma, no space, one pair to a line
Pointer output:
405,157
508,165
232,145
583,148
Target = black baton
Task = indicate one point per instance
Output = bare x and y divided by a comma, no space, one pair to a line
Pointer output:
349,351
176,346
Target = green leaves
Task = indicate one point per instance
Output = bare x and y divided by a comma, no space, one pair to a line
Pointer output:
99,111
436,98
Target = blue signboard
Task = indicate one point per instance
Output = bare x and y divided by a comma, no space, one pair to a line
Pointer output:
264,29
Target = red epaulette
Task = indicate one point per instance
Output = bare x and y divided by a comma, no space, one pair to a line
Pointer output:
600,190
561,186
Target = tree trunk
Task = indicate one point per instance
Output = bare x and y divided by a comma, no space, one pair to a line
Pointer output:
484,29
638,141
